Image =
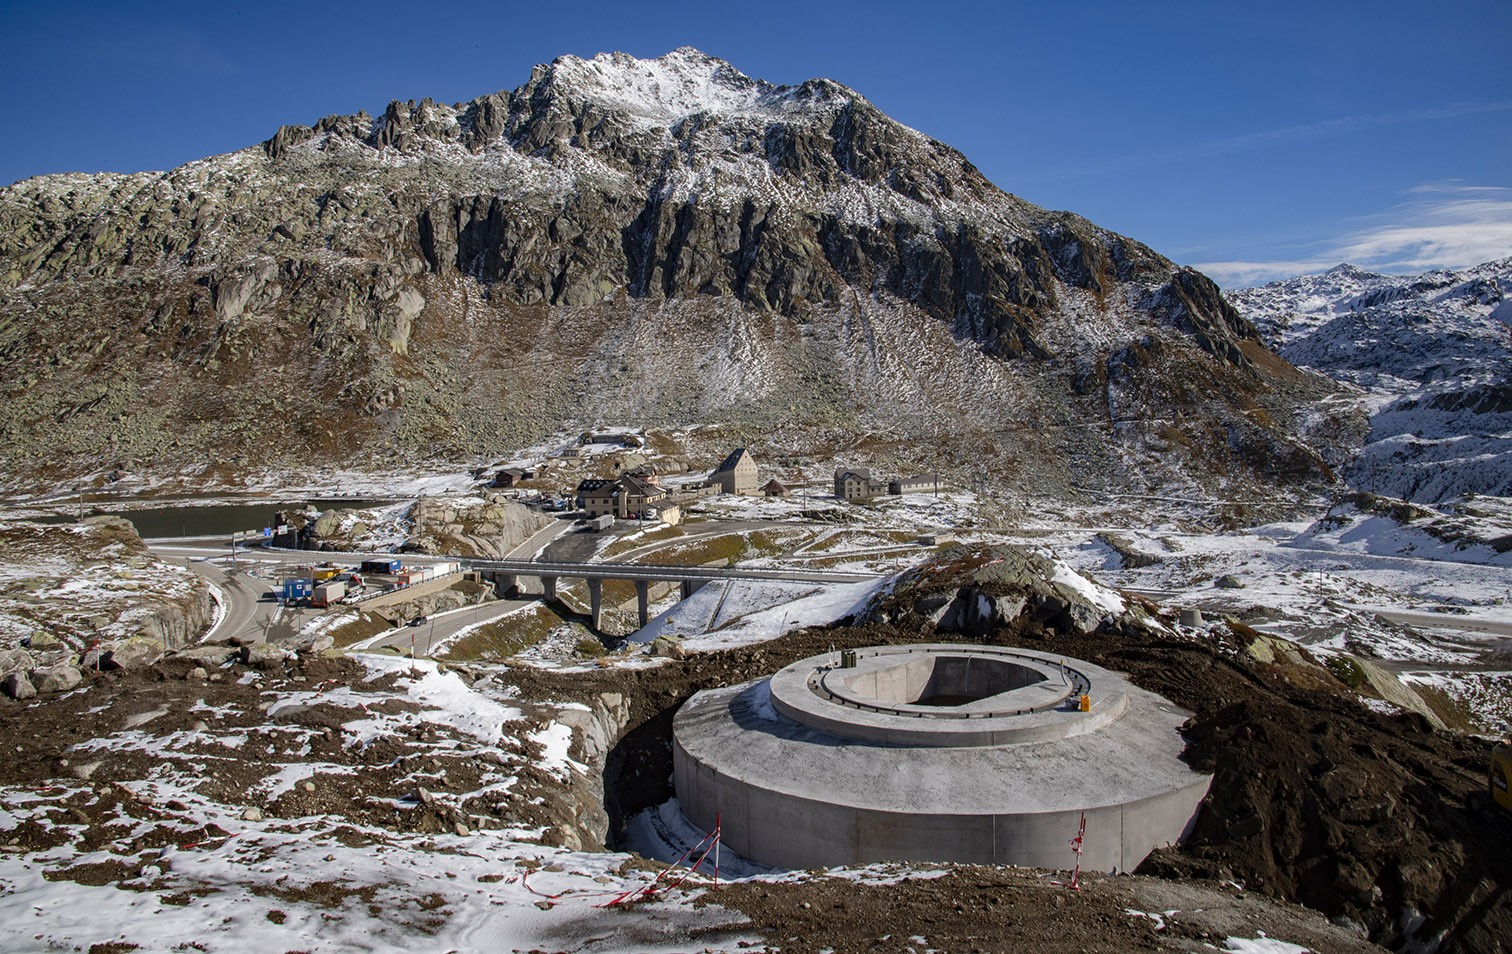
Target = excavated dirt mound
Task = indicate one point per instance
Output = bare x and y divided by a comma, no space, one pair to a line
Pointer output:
1376,821
124,830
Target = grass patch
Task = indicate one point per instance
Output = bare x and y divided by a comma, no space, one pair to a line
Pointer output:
1347,671
618,592
1452,709
590,648
364,626
732,548
505,637
624,545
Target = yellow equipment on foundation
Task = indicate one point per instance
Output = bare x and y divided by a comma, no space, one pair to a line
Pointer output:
1501,776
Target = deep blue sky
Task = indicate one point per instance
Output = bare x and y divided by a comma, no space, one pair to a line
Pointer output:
1252,139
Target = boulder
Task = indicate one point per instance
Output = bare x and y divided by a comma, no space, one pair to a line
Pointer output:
1228,582
970,613
41,642
138,652
17,686
1008,607
205,655
1274,649
263,655
16,660
1084,619
56,678
1393,690
668,647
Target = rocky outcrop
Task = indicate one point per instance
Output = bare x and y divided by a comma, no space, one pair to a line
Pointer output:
976,590
120,598
454,281
489,528
596,729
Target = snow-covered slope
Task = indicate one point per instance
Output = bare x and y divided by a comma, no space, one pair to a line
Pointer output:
1431,355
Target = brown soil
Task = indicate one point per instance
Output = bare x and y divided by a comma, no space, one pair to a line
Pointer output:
37,739
1017,909
1315,799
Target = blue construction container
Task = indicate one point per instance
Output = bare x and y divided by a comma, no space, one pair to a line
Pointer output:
298,588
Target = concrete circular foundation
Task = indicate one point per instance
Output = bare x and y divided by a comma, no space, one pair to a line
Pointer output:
938,752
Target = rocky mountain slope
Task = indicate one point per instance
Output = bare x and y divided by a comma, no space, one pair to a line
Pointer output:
1431,352
621,240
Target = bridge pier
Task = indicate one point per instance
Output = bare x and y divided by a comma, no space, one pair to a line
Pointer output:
643,600
689,587
548,588
595,600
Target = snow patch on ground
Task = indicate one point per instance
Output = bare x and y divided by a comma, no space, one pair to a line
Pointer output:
738,613
1262,945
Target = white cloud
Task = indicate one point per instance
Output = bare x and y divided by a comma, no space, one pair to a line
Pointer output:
1240,274
1442,225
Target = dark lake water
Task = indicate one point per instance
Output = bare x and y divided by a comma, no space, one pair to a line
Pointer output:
185,520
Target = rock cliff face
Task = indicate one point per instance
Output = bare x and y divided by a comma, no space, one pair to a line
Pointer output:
649,241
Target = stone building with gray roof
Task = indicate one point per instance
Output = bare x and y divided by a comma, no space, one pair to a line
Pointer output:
737,474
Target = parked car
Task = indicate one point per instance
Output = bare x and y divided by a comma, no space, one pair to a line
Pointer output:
418,620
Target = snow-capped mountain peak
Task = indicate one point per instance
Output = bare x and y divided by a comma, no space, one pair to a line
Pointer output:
685,82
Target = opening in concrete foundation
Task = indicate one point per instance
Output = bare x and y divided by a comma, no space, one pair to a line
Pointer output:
942,680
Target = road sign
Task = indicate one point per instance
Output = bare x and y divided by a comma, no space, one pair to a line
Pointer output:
267,531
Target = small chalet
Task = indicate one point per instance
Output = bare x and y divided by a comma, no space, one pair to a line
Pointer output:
512,476
774,488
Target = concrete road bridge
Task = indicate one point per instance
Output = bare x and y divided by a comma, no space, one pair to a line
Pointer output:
506,574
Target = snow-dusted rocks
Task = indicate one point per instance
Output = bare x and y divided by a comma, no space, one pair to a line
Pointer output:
974,590
1431,353
113,587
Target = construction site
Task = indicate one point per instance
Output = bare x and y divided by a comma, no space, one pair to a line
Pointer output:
936,752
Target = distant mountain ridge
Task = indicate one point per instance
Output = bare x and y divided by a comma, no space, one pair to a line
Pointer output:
657,241
1434,354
